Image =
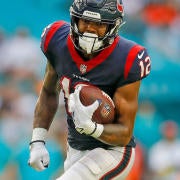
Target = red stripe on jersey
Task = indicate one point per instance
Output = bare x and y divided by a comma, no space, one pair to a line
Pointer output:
92,63
51,32
131,58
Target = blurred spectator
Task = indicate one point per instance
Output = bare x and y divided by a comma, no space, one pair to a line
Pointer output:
164,156
134,27
16,113
21,56
134,8
162,19
160,14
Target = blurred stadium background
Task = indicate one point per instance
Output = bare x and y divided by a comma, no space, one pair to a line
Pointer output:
152,23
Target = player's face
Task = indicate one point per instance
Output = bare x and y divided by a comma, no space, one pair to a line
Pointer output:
92,27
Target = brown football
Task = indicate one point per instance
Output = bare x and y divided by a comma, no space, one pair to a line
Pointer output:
106,110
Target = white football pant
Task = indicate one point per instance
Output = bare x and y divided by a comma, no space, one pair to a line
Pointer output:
98,164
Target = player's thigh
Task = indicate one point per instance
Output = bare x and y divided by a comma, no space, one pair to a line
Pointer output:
101,164
72,157
125,161
89,166
110,164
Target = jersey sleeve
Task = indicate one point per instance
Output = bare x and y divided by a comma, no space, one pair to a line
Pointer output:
48,37
138,64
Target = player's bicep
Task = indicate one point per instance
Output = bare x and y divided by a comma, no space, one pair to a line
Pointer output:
126,103
50,83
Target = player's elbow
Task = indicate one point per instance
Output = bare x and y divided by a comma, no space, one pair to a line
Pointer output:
127,140
126,137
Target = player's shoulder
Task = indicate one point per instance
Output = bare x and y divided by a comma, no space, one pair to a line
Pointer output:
52,31
130,45
137,60
128,49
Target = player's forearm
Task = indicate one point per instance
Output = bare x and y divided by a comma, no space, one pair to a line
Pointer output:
115,134
45,109
120,133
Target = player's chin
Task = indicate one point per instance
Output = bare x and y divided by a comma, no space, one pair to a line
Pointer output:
87,54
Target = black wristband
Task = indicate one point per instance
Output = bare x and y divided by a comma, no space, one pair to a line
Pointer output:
93,130
36,141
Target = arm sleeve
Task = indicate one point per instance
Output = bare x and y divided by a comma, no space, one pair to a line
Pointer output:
138,65
48,36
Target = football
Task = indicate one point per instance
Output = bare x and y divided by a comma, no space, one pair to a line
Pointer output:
106,110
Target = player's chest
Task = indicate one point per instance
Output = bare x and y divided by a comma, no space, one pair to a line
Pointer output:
90,72
102,71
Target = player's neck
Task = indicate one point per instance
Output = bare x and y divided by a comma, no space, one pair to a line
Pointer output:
86,56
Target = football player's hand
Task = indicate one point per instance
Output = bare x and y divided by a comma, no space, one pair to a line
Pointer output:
39,156
82,115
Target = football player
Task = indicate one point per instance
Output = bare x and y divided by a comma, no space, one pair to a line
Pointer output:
89,50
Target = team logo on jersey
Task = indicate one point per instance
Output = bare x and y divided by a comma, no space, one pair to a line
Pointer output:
83,68
140,55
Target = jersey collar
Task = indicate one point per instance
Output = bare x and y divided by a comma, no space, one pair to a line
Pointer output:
86,66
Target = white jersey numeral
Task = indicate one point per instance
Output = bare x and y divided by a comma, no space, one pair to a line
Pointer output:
65,83
145,66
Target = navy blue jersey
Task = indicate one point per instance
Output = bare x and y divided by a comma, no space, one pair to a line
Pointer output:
121,63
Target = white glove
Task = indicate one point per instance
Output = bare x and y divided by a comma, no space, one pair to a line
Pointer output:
39,156
82,115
